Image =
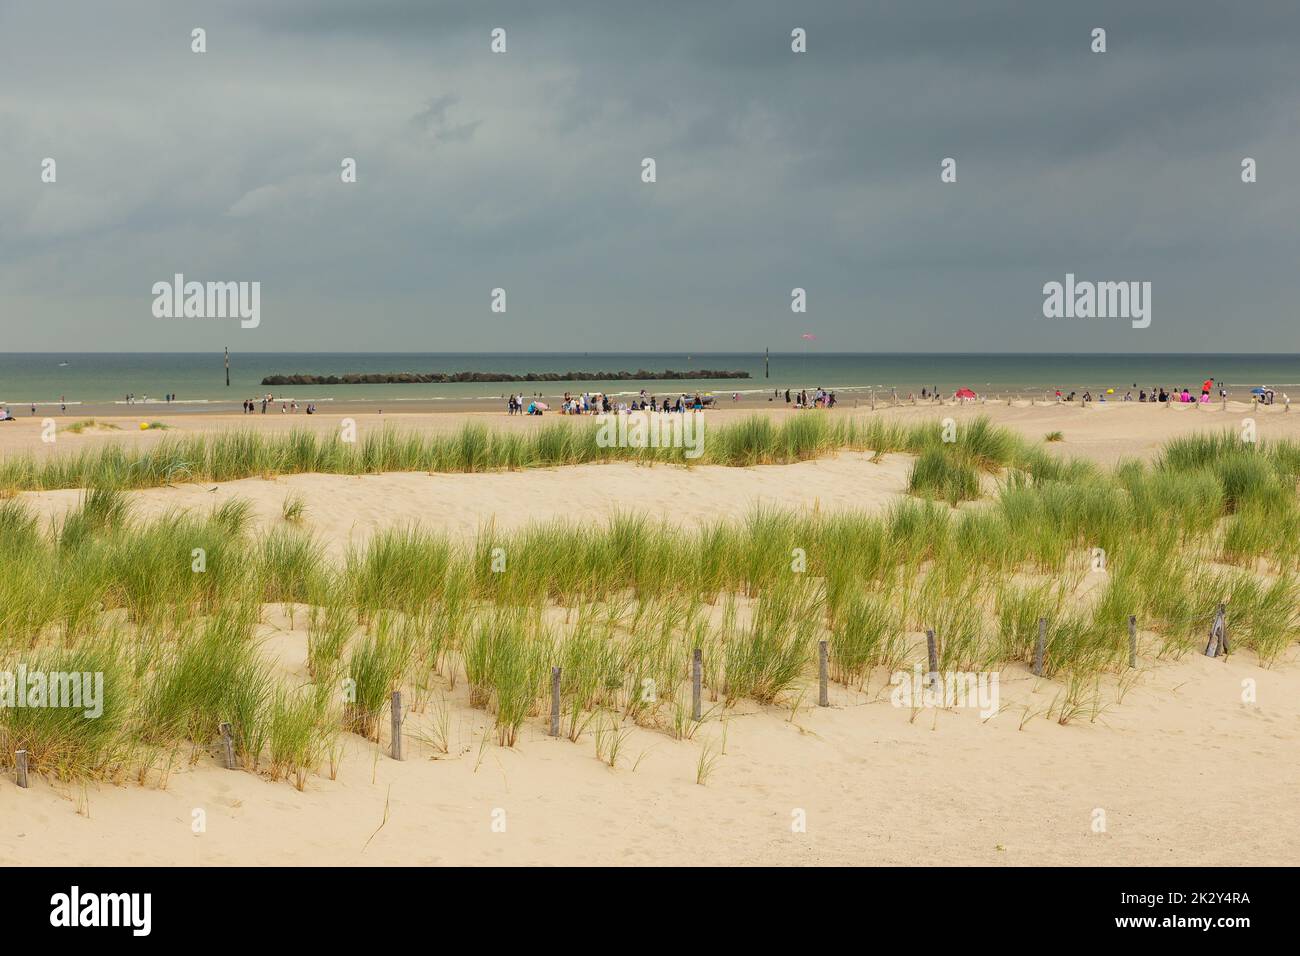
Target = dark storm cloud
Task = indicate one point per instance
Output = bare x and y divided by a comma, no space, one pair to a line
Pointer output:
776,170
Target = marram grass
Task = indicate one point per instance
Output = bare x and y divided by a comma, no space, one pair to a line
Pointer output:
621,606
227,456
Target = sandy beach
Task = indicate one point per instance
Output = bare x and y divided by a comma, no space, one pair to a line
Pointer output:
1182,770
1102,432
946,789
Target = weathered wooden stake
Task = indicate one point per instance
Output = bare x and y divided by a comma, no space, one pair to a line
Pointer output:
1132,641
555,702
1217,634
397,724
932,649
697,675
1212,648
1040,646
823,692
1223,629
21,760
227,746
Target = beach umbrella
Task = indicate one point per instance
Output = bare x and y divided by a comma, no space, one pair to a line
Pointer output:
1257,390
543,406
964,393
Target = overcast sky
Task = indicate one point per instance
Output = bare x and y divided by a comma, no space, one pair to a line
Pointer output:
775,170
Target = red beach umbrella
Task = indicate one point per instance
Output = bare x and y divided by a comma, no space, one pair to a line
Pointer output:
964,393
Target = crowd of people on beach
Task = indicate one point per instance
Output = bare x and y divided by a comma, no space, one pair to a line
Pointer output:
1157,393
598,403
286,408
820,398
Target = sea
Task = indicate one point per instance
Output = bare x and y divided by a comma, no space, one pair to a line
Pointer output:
198,380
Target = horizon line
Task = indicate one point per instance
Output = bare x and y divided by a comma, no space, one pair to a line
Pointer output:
683,352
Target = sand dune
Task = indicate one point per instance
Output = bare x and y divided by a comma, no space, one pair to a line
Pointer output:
347,508
1101,432
1184,771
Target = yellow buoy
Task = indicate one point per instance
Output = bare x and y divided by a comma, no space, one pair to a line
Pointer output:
144,426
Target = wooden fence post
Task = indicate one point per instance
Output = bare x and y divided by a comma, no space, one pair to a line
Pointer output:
1040,646
555,702
823,693
932,651
20,759
697,673
227,746
396,709
1216,634
1132,641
